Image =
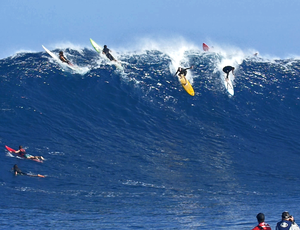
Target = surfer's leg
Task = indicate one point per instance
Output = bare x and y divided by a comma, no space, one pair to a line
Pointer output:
185,81
110,57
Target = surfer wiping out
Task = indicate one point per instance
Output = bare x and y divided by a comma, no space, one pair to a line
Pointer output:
227,70
106,51
182,73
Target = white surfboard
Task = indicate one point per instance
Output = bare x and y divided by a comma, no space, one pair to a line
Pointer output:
99,50
229,84
58,60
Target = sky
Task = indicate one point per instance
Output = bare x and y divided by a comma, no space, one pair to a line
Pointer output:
271,27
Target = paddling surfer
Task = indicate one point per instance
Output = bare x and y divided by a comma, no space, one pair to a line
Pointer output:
23,153
18,171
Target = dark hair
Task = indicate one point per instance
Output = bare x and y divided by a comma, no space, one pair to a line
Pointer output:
285,215
20,146
260,217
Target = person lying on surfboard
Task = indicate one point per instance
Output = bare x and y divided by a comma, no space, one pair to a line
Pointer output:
18,171
182,73
63,58
227,70
106,51
23,153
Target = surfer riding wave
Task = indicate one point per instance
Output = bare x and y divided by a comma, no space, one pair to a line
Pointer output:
106,51
182,73
227,70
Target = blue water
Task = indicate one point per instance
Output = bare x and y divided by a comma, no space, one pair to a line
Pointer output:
130,149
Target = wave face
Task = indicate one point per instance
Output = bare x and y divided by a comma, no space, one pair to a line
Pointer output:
131,149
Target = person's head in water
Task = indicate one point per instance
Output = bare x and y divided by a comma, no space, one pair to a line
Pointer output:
61,53
20,147
16,167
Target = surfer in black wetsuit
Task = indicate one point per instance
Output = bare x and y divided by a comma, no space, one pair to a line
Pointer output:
63,58
18,171
106,51
182,73
227,70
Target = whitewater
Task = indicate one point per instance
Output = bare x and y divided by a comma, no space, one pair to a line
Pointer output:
130,149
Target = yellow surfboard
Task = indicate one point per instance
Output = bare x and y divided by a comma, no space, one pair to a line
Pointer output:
186,85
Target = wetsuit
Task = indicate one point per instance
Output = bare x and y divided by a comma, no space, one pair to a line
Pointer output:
106,51
227,70
18,171
182,71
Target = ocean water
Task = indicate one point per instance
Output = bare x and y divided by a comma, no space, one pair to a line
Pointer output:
130,149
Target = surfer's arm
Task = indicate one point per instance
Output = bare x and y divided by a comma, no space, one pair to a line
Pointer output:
66,61
176,73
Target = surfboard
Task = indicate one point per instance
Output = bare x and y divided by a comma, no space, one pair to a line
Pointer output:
186,85
99,50
13,151
229,85
56,58
205,47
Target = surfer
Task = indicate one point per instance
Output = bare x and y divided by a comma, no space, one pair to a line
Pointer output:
261,222
23,153
182,73
227,70
106,51
18,171
63,58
